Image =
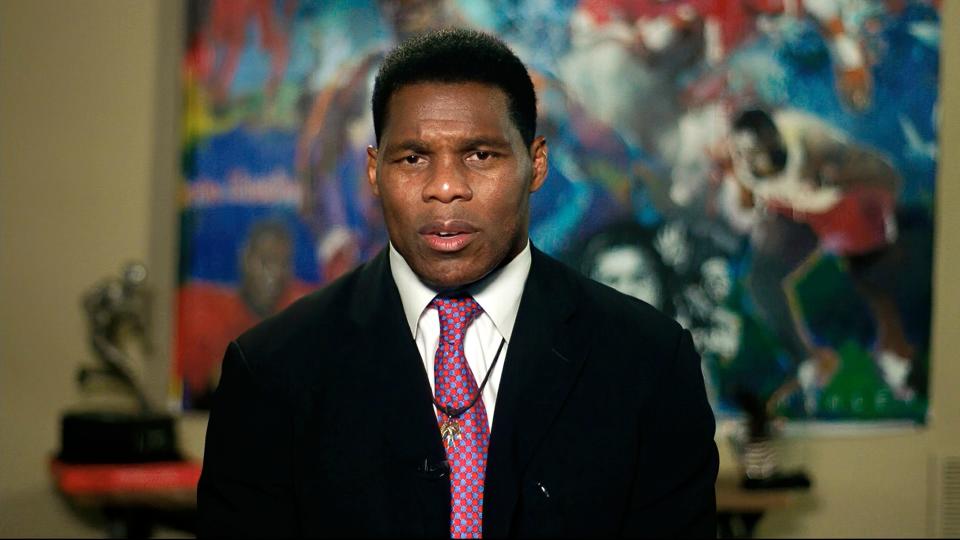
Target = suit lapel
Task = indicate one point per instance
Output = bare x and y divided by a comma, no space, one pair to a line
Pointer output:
385,352
543,361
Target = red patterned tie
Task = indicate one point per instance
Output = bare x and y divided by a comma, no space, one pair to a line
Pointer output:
465,437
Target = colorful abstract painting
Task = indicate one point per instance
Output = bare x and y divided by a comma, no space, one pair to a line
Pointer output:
761,170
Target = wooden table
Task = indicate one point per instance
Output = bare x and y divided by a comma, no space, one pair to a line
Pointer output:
739,510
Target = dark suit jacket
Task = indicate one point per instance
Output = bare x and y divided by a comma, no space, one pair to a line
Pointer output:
323,423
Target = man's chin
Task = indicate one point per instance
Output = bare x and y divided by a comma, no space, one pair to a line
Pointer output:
439,278
448,283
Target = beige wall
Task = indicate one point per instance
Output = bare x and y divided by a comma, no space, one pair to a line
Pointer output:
80,96
87,172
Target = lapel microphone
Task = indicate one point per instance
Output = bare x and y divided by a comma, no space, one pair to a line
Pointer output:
434,471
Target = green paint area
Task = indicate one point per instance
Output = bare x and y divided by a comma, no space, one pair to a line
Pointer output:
858,392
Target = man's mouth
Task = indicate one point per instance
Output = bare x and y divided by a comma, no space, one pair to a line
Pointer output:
448,236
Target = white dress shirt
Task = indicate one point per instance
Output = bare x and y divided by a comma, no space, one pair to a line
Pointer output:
499,296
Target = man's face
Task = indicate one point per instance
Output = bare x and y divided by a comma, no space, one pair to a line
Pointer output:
716,278
454,180
267,270
628,270
750,153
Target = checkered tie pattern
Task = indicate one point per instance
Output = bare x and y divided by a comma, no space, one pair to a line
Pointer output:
454,387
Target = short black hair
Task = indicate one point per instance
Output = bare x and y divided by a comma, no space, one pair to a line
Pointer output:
617,235
457,55
761,124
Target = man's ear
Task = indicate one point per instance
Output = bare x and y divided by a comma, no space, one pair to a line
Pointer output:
538,153
372,170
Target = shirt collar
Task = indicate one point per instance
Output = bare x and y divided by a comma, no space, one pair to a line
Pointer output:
498,294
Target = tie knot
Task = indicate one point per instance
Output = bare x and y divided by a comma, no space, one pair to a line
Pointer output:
456,314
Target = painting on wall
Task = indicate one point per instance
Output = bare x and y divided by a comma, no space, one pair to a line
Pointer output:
761,170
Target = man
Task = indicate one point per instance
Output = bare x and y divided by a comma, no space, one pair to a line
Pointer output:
211,315
461,383
820,193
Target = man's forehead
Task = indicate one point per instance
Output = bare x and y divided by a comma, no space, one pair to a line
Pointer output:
454,106
449,94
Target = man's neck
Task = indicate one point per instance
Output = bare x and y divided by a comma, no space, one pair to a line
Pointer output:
498,292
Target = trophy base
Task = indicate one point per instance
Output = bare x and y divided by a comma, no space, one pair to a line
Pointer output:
114,437
794,480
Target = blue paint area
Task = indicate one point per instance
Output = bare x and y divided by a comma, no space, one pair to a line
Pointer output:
255,152
217,236
798,73
213,236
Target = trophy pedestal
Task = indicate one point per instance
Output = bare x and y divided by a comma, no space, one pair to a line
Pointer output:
117,437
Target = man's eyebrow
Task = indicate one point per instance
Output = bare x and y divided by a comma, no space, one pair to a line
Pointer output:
421,147
488,142
410,145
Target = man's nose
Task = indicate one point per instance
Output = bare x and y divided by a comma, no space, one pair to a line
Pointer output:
449,180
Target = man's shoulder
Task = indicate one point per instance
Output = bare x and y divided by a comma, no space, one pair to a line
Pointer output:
310,323
205,304
626,335
611,308
196,295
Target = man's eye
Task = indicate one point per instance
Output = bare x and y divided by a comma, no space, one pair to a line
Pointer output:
480,155
413,159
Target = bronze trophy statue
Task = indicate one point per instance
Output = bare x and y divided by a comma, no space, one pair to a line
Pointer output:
118,312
